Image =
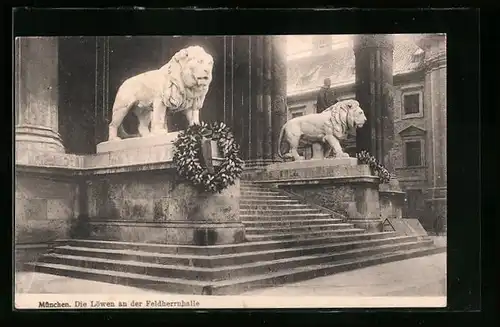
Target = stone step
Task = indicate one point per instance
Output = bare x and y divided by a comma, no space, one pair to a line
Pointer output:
244,284
311,228
288,223
272,206
265,192
232,286
265,212
273,201
164,284
304,235
214,261
255,217
263,197
147,265
218,249
256,188
247,182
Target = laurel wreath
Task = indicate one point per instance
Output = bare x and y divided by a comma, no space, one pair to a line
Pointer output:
189,162
364,157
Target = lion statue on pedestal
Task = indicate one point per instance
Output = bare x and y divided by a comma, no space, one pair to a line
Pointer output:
180,85
327,127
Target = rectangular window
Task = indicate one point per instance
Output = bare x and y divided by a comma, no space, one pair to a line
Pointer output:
297,111
413,153
411,104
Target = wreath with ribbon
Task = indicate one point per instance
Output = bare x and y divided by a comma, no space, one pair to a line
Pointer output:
188,157
366,158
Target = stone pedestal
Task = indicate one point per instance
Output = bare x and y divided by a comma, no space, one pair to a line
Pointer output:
392,200
156,205
434,46
337,184
137,142
36,102
374,92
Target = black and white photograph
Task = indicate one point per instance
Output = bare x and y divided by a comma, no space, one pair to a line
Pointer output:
230,171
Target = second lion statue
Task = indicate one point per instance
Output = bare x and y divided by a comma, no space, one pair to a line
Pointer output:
179,86
327,127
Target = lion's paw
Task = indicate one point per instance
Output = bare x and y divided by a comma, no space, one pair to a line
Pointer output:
344,155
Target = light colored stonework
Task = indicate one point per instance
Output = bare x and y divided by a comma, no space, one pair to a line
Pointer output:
130,152
134,143
332,162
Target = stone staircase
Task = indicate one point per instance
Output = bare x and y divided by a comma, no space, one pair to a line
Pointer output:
288,241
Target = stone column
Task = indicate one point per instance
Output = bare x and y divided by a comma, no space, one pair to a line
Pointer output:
267,98
279,107
434,46
257,80
36,103
374,91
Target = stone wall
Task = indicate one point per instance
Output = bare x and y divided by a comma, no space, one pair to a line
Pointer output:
355,201
391,205
156,206
46,209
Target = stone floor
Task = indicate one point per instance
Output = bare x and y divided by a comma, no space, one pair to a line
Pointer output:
425,276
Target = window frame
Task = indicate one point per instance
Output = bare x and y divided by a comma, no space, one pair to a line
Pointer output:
420,112
300,108
413,139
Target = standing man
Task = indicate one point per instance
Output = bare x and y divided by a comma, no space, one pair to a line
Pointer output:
326,96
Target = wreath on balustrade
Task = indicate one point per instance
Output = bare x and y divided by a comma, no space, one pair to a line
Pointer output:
188,157
364,157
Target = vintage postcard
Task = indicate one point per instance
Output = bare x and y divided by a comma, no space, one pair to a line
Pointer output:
230,171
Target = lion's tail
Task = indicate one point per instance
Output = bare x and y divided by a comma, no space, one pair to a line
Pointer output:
279,141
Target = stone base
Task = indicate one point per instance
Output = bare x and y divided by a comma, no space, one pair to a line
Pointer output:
158,206
336,184
369,225
315,171
181,233
136,142
406,227
392,200
145,142
38,138
312,163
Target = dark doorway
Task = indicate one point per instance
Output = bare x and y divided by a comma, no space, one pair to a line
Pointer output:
77,74
130,56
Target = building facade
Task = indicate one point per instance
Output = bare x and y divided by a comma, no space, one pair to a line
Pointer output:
84,73
418,155
65,89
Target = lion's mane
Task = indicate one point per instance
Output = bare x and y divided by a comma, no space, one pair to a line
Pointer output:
342,117
176,95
